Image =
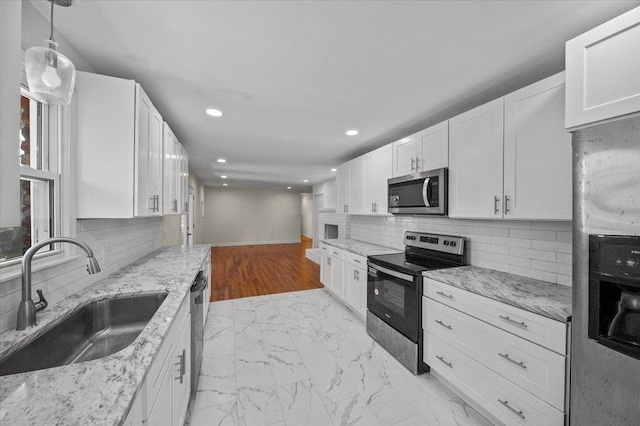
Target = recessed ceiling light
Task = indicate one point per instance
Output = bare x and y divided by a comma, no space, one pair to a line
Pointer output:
306,180
288,187
225,184
333,170
352,132
223,177
214,112
221,160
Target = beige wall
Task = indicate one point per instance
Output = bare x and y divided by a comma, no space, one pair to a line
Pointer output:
306,204
238,216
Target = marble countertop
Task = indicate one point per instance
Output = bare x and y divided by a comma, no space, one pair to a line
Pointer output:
360,247
540,297
98,392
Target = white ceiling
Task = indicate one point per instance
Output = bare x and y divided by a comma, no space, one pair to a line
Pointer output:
291,76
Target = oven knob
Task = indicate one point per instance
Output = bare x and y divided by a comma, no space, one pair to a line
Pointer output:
453,243
632,263
376,292
446,243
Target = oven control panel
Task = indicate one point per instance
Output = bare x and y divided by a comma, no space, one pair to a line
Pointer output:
444,243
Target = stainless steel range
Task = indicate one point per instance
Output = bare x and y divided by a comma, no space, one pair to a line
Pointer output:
394,289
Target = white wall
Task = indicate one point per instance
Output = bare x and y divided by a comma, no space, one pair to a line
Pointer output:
534,249
115,242
306,205
239,216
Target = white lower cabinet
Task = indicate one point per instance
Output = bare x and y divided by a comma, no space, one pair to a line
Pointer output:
344,274
167,387
514,367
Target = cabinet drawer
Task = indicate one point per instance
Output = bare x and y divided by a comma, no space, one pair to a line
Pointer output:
356,260
535,328
503,399
530,366
336,252
325,248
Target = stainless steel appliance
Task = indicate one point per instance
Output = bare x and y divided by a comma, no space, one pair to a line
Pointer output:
394,289
197,328
605,380
419,193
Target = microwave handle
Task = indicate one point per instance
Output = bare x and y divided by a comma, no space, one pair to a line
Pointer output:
425,190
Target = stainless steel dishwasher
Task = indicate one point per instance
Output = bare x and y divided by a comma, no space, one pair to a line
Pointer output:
197,332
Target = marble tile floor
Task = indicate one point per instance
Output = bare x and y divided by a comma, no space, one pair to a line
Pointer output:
302,358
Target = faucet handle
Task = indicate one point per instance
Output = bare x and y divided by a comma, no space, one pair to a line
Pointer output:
42,302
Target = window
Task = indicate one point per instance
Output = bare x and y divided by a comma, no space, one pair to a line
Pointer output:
39,180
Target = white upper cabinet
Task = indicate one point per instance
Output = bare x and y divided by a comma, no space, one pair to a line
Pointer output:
342,188
537,153
119,149
603,72
377,170
356,186
433,147
171,171
405,154
183,180
475,162
511,158
426,150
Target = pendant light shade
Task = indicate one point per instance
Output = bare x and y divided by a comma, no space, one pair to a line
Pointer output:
51,75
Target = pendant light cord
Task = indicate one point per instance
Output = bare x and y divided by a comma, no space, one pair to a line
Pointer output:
51,36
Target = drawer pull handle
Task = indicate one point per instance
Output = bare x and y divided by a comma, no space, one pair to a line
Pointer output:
514,322
506,404
448,296
444,325
356,260
448,364
508,358
336,253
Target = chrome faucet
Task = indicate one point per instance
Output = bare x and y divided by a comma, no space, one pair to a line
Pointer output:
27,309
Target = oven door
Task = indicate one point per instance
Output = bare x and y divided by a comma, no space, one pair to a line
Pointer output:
393,297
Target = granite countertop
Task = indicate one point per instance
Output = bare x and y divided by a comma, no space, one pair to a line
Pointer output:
99,392
360,247
540,297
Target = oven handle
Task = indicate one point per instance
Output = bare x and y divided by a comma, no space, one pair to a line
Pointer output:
404,277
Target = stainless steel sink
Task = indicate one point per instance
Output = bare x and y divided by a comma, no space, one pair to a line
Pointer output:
94,331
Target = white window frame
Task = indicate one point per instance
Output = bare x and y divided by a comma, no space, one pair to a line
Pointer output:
59,139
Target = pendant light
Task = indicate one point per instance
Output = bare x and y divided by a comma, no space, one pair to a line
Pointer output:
50,75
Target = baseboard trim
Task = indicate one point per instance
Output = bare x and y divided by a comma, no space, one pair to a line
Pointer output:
254,243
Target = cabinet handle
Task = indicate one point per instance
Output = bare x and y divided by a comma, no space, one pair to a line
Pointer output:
413,161
174,203
506,204
508,358
356,260
182,365
514,322
448,364
373,210
506,404
417,164
444,325
375,207
495,205
329,261
157,203
448,296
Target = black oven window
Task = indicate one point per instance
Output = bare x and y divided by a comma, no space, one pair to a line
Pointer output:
392,296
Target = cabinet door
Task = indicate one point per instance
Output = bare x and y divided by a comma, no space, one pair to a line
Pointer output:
356,186
144,201
154,171
433,147
351,290
377,169
475,162
342,188
182,375
404,156
162,412
184,180
170,172
337,277
603,72
537,153
325,270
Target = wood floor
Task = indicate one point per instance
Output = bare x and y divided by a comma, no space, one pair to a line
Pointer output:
243,271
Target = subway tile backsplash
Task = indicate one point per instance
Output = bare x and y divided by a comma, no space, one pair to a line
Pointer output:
535,249
115,242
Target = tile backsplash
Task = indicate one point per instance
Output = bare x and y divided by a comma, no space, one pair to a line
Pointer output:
115,242
535,249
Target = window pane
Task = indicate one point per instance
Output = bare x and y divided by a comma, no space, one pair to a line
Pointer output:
31,140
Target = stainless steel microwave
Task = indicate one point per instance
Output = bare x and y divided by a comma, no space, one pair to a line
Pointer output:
419,193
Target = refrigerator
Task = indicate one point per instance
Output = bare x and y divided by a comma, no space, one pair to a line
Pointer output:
604,382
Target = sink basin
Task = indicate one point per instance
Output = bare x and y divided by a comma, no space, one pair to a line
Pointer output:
94,331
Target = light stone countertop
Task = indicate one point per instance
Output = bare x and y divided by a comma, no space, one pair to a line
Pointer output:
99,392
540,297
360,247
